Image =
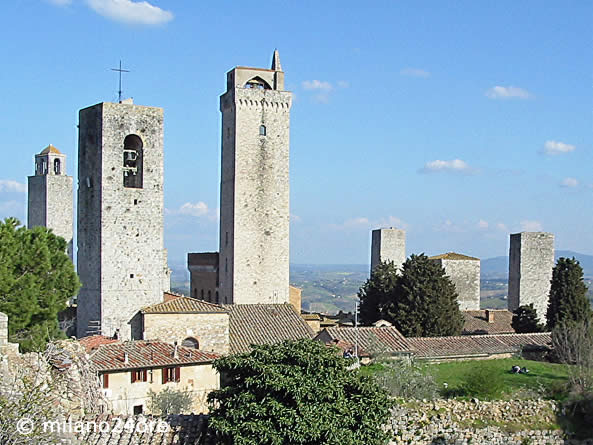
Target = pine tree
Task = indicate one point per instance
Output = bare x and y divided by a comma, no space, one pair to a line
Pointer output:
376,291
36,280
424,301
568,294
525,320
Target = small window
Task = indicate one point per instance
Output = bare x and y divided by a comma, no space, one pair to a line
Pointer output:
44,167
105,380
190,342
171,374
133,161
131,275
202,294
217,297
262,130
135,202
139,375
137,410
57,167
226,239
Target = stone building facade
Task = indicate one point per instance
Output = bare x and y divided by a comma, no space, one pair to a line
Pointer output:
203,273
531,260
49,198
388,245
254,198
464,272
122,262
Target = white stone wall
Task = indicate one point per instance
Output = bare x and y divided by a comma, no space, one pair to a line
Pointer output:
465,275
255,214
531,260
388,245
121,256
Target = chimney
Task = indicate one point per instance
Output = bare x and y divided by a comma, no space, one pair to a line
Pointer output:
175,355
489,316
126,358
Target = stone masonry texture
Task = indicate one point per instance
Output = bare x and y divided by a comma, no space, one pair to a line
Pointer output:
49,198
465,275
254,210
388,245
531,260
121,257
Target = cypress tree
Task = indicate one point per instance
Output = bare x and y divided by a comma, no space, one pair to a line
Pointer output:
568,294
376,291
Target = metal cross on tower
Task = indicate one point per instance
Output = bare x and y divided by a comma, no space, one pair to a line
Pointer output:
120,71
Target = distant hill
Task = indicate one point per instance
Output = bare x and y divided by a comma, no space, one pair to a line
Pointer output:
498,267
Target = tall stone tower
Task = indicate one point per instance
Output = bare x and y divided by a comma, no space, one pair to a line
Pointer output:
388,245
254,189
49,199
531,260
121,258
464,272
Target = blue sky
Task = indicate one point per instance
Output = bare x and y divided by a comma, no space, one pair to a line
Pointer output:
459,121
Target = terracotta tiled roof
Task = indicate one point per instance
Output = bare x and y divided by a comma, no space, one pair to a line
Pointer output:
50,149
476,345
261,324
387,339
181,430
476,322
347,346
453,256
92,342
146,354
183,305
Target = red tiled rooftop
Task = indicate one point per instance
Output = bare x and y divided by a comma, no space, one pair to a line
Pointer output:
92,342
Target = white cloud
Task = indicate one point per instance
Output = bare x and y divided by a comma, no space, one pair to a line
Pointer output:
199,208
343,84
455,165
483,224
499,92
128,11
414,72
60,2
502,227
8,185
295,218
320,85
569,182
364,223
531,226
557,147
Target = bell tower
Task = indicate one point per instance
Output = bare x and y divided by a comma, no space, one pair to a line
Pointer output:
254,191
49,199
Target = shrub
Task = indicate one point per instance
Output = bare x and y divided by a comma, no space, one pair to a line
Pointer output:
170,401
406,379
483,383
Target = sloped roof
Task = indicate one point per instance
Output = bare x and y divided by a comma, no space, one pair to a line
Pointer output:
453,256
92,342
50,149
263,324
183,429
475,345
386,339
146,354
183,305
475,322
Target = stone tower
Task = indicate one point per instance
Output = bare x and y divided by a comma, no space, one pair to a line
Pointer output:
531,260
50,195
122,262
388,245
464,272
254,189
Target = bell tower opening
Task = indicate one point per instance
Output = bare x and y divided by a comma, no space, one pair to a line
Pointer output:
132,164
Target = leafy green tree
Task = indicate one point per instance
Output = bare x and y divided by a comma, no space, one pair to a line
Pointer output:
568,294
170,401
424,301
525,320
296,392
36,280
375,292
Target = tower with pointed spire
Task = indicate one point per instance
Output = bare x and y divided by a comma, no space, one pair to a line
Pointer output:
253,265
49,199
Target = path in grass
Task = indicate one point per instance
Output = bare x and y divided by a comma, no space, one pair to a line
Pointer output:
542,375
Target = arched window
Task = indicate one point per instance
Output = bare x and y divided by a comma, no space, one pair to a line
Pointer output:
190,342
262,130
202,294
133,157
258,83
209,295
57,167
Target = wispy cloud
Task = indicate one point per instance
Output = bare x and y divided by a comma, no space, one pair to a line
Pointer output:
295,218
365,223
569,183
482,224
8,185
415,72
557,148
452,166
132,12
500,92
323,88
196,209
531,226
317,85
59,2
